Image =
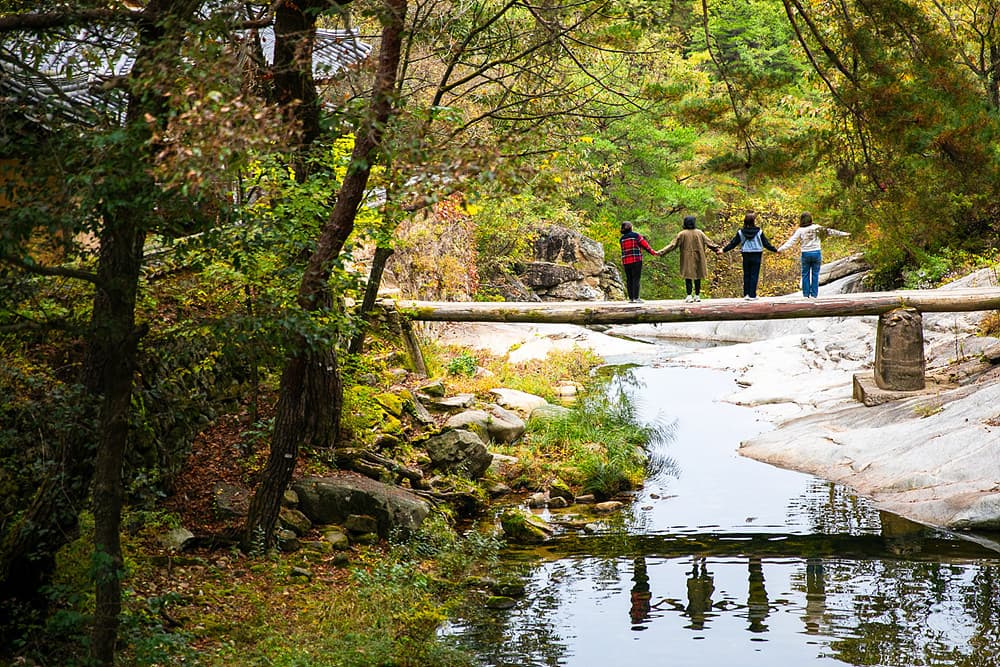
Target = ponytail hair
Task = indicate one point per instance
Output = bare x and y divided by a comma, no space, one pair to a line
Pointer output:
805,220
750,220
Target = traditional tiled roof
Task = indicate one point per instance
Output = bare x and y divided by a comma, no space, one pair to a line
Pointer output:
67,80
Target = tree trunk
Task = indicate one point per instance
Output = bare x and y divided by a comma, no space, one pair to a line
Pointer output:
621,312
307,370
295,90
382,256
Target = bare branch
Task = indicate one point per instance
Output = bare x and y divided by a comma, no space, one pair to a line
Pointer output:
49,20
42,270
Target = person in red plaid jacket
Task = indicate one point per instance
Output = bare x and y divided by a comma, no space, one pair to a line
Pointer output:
633,244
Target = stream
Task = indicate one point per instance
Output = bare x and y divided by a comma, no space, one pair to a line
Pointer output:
722,560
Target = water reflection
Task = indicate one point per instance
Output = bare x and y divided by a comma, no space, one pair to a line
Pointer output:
757,605
700,587
726,561
641,595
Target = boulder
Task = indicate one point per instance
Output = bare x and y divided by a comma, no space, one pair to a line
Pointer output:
504,426
476,421
461,451
294,520
328,500
522,527
610,282
565,246
230,501
517,400
546,275
176,539
573,291
549,412
450,403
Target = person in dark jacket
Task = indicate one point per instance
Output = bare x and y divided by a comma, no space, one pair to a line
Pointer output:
752,242
633,244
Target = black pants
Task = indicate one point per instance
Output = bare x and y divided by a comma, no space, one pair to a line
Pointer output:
696,283
751,272
632,273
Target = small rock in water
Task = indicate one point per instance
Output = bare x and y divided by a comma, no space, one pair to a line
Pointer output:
500,602
609,506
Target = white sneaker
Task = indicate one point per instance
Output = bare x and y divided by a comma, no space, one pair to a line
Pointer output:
697,297
746,297
688,299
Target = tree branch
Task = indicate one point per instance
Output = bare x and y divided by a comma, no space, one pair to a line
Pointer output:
49,20
42,270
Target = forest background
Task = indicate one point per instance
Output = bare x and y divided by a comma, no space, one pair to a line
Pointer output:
189,246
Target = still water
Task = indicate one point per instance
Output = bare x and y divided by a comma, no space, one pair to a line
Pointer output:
721,560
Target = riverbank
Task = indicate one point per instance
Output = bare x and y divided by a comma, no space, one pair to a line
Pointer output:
934,459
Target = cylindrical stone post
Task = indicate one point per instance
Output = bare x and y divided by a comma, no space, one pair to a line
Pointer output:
899,350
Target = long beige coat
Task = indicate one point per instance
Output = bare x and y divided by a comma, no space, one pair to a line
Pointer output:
694,246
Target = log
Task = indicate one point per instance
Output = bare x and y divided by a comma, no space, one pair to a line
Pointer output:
767,308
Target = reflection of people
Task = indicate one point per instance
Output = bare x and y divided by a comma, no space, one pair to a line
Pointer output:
815,595
694,246
700,587
752,242
757,605
633,244
640,592
811,257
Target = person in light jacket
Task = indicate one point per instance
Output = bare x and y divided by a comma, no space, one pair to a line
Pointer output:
808,234
752,242
694,247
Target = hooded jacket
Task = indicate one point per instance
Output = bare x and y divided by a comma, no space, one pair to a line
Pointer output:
745,234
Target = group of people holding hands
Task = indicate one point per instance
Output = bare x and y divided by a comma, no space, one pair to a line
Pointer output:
694,246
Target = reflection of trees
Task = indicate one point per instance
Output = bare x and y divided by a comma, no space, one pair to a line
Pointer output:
908,613
833,509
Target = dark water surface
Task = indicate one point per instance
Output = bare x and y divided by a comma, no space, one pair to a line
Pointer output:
721,560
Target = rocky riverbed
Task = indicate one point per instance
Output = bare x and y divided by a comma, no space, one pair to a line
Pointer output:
933,457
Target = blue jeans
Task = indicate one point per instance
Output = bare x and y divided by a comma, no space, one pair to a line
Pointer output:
751,273
811,261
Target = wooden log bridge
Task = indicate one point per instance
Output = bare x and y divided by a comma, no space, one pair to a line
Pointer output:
899,347
647,312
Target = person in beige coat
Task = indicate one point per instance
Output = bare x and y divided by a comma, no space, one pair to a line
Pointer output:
694,247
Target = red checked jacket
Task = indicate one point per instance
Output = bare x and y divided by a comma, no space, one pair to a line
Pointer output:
632,246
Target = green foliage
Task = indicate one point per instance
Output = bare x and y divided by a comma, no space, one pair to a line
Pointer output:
603,446
464,364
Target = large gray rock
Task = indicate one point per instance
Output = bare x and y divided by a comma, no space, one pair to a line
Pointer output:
546,275
568,266
327,500
565,246
504,426
496,423
517,400
460,451
934,460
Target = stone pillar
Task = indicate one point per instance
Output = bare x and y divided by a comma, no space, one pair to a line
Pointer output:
899,350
